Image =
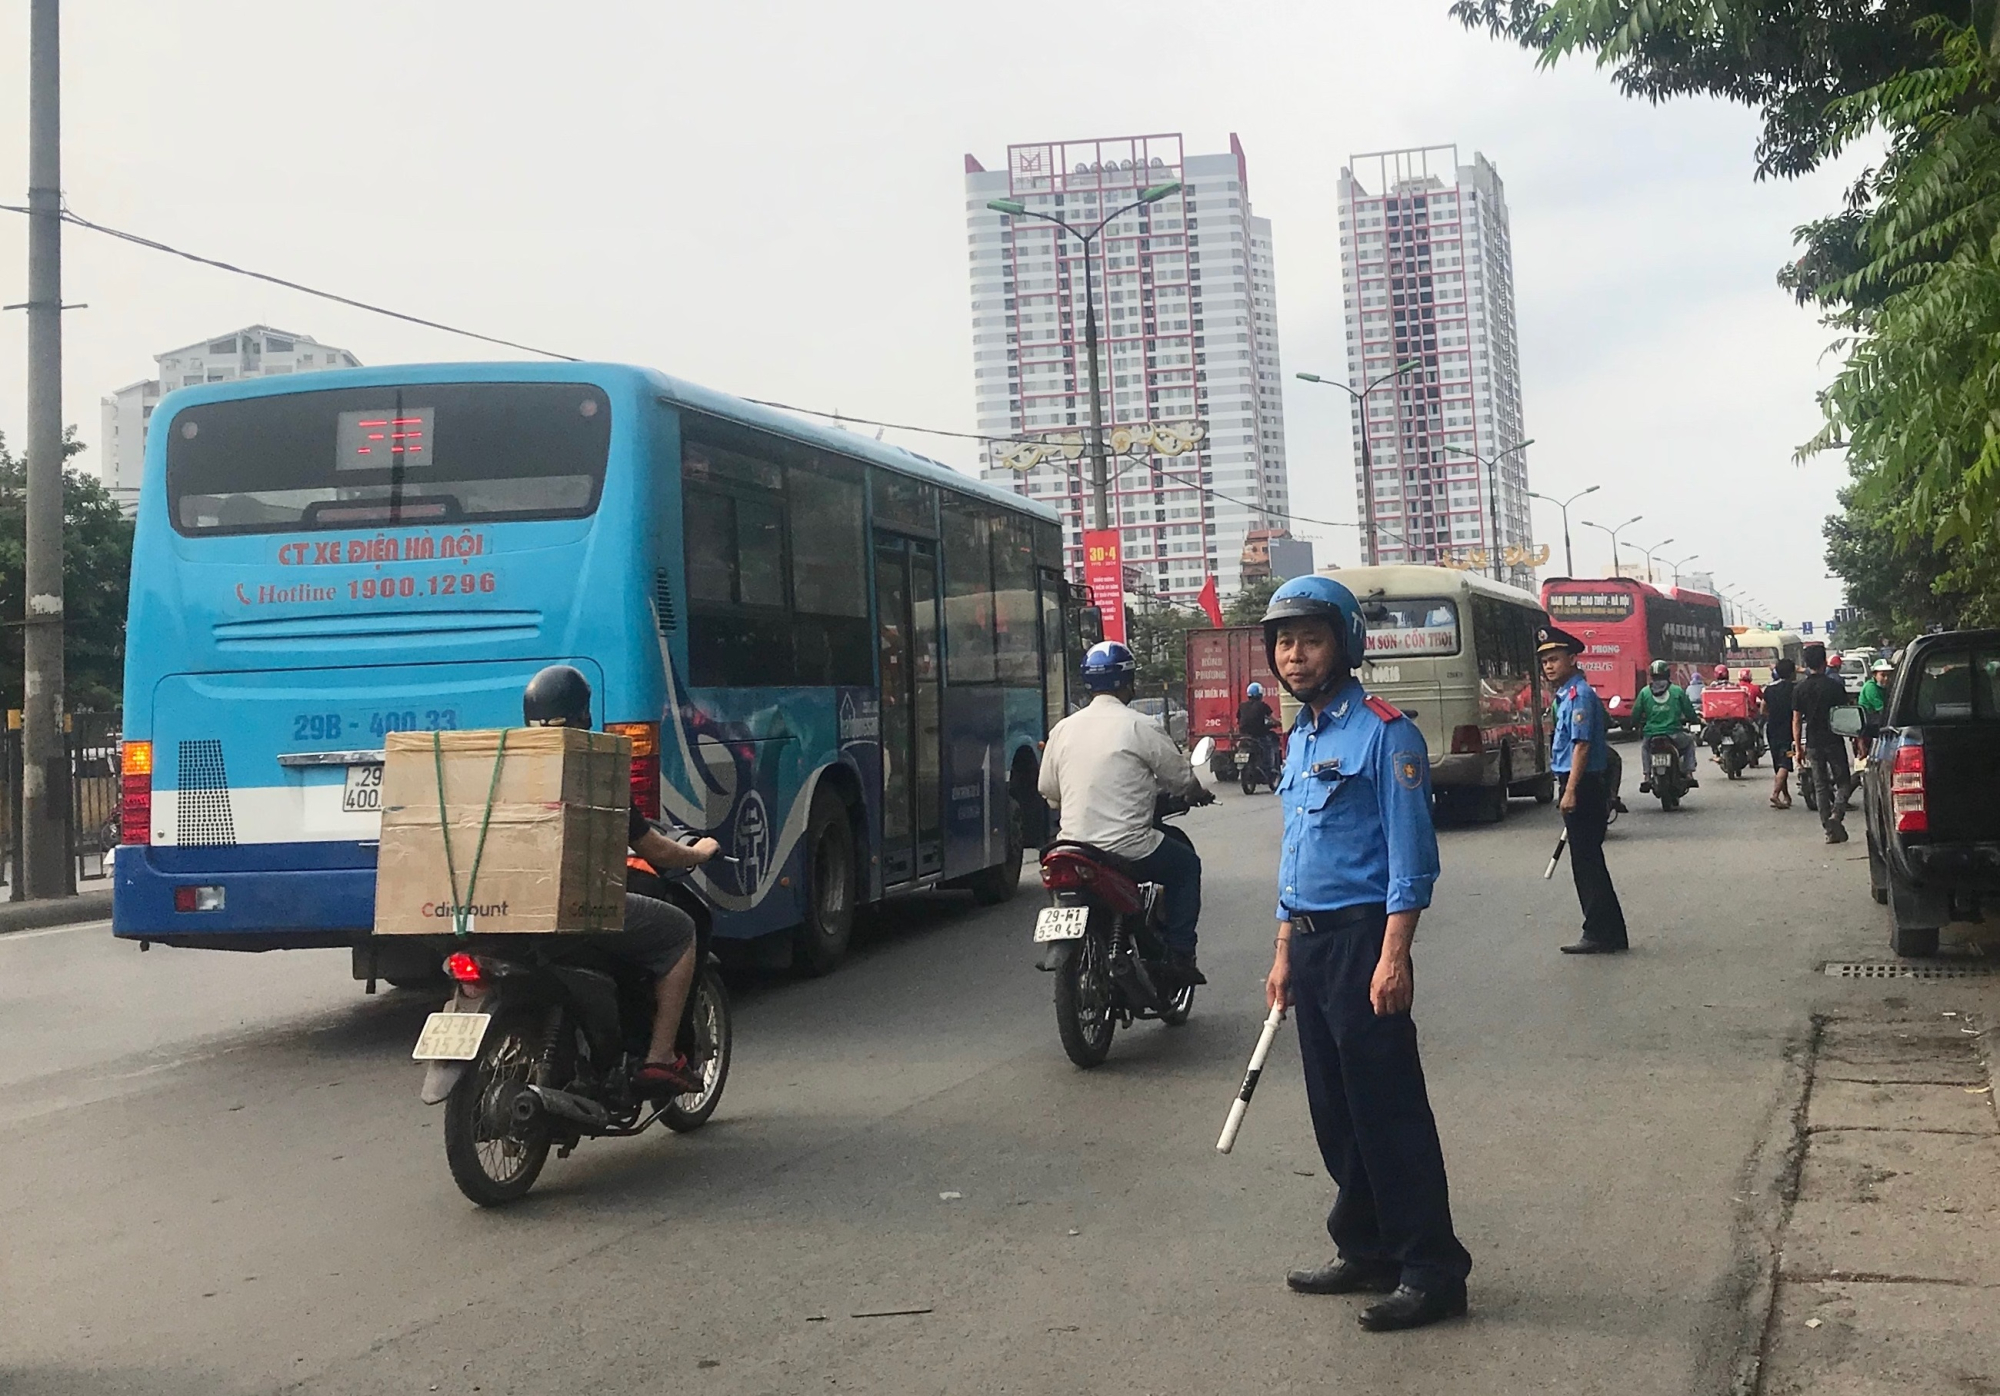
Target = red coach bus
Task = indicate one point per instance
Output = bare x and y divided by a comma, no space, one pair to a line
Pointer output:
1626,625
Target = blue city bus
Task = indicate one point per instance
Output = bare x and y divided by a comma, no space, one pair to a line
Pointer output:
836,657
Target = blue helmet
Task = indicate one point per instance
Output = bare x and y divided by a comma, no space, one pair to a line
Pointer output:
1256,690
1328,599
1108,666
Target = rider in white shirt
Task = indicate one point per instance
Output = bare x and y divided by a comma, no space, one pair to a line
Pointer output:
1103,768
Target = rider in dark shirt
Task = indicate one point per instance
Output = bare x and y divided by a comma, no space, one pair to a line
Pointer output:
658,936
1813,702
1255,722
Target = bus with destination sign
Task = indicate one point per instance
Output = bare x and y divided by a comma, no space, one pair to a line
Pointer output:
834,656
1626,624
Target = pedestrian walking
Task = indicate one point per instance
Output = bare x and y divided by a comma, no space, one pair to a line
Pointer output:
1818,694
1777,699
1580,754
1354,875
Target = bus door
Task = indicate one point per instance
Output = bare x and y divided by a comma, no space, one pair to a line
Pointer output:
906,609
1059,659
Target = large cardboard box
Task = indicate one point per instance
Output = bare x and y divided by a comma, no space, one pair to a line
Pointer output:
554,853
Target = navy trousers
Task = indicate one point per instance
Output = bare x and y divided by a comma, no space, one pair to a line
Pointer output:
1177,868
1371,1113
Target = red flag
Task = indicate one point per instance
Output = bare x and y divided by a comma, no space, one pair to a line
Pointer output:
1211,603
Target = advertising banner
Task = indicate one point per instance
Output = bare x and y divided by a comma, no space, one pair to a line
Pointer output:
1104,574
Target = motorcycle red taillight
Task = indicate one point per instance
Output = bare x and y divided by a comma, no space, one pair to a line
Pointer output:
462,967
1066,875
1906,790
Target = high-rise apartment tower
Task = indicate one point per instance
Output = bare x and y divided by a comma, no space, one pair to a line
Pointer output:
1187,334
1428,269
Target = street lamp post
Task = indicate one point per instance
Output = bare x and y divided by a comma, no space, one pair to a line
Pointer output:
1492,464
1100,476
1614,532
1677,566
1367,458
1569,560
1649,555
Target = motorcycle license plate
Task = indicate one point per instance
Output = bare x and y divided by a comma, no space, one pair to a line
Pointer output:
1061,923
1663,763
451,1037
364,790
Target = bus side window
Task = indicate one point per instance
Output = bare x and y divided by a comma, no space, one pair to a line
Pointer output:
968,595
830,637
733,540
1017,664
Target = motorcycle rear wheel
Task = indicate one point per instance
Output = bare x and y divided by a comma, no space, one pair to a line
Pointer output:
710,1011
492,1161
1083,1003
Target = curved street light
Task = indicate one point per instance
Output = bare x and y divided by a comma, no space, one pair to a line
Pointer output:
1614,531
1569,560
1677,566
1100,478
1492,464
1360,397
1649,555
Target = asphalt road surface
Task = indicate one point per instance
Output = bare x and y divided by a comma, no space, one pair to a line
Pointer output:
217,1176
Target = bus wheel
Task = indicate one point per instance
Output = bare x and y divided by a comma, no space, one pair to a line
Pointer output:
994,885
1545,789
1492,800
821,940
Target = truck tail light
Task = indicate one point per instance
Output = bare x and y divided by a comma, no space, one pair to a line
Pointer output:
1466,741
645,738
135,806
1906,790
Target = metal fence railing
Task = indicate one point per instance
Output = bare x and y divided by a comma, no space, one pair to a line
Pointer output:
94,797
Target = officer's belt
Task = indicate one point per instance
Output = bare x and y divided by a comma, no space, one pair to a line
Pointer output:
1314,922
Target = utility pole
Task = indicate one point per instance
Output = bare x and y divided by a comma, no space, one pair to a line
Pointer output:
44,765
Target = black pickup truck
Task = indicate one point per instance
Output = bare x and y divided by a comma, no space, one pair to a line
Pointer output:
1931,793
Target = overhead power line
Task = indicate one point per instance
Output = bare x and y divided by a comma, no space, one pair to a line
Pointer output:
153,244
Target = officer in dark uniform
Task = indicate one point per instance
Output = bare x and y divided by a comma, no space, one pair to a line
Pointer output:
1354,874
1580,754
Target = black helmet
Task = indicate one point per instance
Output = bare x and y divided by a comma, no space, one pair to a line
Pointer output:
559,696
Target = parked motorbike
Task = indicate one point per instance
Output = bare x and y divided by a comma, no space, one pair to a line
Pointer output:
1258,766
1102,938
1664,776
541,1042
1737,743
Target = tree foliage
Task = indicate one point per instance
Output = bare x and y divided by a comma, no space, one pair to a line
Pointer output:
97,565
1908,272
1248,605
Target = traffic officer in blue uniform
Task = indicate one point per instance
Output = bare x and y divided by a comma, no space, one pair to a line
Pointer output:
1354,874
1580,754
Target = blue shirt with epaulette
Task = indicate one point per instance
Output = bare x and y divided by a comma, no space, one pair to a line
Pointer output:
1357,798
1579,718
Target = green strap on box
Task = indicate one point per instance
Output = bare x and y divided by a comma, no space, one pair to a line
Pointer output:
461,908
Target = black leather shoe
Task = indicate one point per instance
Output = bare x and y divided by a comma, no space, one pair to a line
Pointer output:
1182,970
1587,946
1412,1308
1345,1277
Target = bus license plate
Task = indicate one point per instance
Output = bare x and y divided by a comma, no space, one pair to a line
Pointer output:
364,790
1061,923
451,1037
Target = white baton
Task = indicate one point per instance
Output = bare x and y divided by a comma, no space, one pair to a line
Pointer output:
1556,857
1242,1105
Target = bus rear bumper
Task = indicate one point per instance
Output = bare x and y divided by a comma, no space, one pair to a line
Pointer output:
1464,769
273,896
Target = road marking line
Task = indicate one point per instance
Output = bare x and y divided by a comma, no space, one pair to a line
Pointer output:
8,937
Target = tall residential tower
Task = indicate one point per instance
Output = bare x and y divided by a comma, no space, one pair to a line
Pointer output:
1187,349
1428,271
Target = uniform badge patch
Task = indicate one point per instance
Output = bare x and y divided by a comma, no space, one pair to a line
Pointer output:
1409,769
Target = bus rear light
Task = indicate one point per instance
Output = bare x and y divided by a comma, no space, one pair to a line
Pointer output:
645,739
135,804
1467,741
198,898
1906,790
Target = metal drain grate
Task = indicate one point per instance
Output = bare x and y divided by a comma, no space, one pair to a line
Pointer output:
1897,969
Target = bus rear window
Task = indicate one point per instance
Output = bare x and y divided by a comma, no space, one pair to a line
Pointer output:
418,453
1412,628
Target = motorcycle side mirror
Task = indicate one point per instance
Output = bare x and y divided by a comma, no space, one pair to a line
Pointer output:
1845,721
1203,750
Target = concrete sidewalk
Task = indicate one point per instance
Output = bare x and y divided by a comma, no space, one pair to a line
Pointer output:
93,905
1890,1259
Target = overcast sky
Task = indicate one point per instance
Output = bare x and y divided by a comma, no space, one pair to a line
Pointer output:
769,199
